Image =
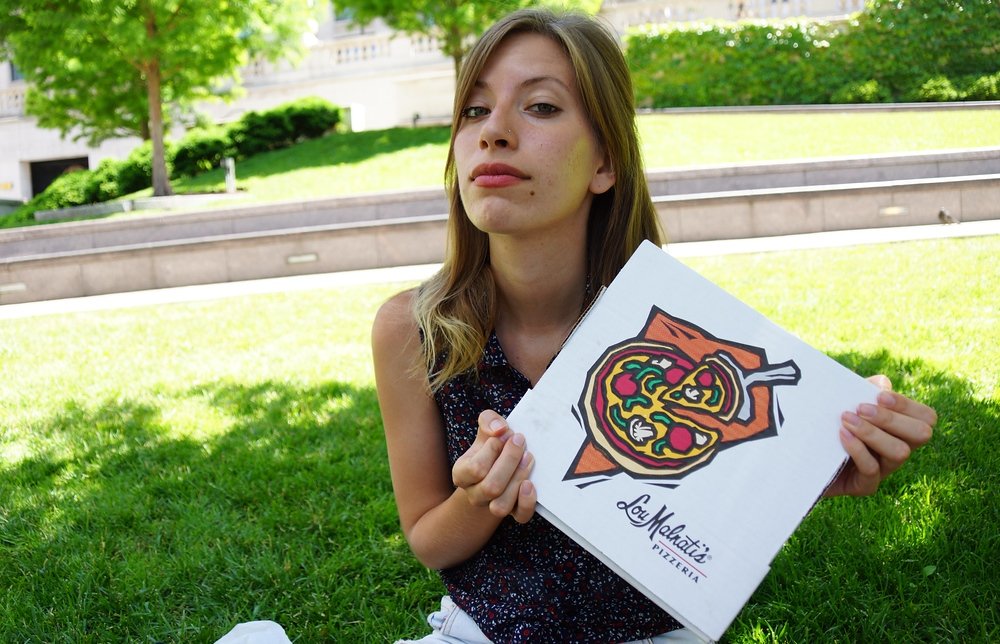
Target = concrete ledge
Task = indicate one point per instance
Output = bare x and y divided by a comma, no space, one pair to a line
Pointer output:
225,258
95,234
783,211
84,235
236,256
824,172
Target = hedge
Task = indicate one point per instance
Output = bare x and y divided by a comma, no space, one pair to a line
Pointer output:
909,50
255,132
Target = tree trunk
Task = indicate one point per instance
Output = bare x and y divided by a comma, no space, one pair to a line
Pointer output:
161,180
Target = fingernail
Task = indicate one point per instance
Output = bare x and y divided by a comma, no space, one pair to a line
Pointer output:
525,460
886,399
526,487
846,435
851,419
519,439
497,424
867,411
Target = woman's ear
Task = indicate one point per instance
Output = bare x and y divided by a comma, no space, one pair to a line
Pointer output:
604,178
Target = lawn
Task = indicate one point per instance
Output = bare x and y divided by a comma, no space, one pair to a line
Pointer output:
408,158
404,158
166,472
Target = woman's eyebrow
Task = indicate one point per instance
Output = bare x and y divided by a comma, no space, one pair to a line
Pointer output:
534,80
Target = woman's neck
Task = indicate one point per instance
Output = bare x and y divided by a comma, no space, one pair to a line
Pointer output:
538,287
541,292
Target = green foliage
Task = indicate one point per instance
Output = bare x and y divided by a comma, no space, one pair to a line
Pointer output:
102,69
256,132
201,150
890,51
76,188
983,88
136,171
938,88
454,24
745,63
868,91
903,43
259,132
311,117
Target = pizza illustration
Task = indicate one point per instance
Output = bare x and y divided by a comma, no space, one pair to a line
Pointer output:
665,403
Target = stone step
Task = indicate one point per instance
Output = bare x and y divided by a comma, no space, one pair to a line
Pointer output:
112,233
332,247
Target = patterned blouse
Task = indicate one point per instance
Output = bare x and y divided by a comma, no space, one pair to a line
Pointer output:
531,583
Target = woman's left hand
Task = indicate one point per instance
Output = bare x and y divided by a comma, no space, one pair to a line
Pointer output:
879,438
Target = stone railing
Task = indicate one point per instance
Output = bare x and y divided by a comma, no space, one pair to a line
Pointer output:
326,58
624,14
12,100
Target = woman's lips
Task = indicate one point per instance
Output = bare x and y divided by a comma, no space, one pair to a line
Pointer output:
497,175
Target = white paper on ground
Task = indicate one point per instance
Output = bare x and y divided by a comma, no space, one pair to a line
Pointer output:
699,541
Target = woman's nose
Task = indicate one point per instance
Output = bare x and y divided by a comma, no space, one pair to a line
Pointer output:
496,134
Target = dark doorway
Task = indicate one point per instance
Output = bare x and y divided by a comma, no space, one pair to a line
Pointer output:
45,172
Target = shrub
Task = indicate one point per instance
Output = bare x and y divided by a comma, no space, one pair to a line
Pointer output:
746,63
258,132
136,171
983,88
937,89
868,91
311,118
898,44
201,150
106,181
76,188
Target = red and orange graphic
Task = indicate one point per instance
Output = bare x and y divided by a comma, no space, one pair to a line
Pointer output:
663,404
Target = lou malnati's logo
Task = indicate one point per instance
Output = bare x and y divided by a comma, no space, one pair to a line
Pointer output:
664,403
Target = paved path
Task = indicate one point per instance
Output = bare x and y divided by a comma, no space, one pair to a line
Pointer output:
416,273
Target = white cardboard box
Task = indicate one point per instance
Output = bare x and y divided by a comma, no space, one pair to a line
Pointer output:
681,437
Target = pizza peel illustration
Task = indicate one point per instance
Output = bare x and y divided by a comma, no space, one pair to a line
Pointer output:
664,403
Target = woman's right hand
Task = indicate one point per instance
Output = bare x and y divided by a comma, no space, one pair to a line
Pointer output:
494,471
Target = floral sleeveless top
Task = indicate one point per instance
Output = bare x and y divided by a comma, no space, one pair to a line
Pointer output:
532,583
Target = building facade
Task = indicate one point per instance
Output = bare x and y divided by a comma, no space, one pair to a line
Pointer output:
385,79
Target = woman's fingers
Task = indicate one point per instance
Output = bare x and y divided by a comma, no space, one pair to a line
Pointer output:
526,500
506,502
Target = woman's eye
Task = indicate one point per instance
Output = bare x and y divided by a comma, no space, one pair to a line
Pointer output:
543,109
475,111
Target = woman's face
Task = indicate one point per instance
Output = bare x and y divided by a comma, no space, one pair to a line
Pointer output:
527,158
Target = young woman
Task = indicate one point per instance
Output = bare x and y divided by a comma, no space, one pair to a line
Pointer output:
548,201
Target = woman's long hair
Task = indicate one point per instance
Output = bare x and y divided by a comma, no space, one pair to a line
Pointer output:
455,308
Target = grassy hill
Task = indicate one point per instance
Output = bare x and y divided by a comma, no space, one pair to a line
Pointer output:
406,158
402,158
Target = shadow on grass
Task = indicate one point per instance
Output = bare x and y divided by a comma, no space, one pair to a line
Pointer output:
915,562
329,151
117,530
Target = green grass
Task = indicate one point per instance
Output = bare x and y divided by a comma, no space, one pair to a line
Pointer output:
398,159
407,158
166,472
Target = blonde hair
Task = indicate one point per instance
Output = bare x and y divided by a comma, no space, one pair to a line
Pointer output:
456,308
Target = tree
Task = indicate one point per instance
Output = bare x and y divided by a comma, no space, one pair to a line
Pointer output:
104,68
455,23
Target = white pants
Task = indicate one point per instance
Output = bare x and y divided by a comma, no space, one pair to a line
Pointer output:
452,625
262,632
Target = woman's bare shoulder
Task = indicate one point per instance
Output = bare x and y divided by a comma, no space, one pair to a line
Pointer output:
396,324
396,314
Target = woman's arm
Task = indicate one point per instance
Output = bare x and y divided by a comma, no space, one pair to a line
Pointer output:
879,439
446,516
